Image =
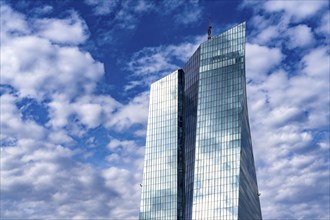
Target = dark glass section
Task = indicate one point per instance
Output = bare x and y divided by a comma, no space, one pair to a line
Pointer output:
181,156
191,71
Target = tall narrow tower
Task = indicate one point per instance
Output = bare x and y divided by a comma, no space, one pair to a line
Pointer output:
199,160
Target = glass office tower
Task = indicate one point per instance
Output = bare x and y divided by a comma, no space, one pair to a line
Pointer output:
199,161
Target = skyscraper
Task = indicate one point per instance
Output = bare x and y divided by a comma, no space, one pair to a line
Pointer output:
199,161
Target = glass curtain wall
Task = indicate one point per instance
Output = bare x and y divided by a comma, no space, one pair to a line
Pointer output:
219,124
199,160
160,184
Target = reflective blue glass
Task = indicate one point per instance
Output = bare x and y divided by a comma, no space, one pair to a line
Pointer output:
159,187
199,160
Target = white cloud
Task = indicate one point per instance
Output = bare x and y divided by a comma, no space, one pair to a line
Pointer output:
298,10
134,112
43,10
289,117
94,110
151,63
90,110
190,12
60,137
317,63
260,60
35,172
72,30
16,23
284,115
300,36
102,7
37,68
289,109
324,27
266,35
39,177
12,126
116,178
126,14
151,60
125,152
114,144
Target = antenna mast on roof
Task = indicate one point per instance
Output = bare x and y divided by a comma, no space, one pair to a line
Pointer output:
209,30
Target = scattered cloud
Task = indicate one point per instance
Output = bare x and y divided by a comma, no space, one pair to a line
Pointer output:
46,9
16,24
191,12
289,108
134,112
260,60
267,35
39,176
128,13
124,151
300,36
102,7
296,10
125,14
38,68
151,63
324,27
72,30
287,62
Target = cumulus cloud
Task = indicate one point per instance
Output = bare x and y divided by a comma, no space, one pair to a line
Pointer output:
40,177
283,123
42,62
37,68
266,35
125,151
17,22
43,182
115,179
12,126
300,36
295,9
289,110
324,27
287,96
260,60
67,31
134,112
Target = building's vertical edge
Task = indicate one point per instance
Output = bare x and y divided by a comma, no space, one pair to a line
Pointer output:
181,134
249,203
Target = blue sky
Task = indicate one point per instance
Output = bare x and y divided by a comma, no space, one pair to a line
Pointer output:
75,79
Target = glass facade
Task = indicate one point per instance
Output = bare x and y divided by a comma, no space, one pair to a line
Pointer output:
191,71
212,156
160,194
